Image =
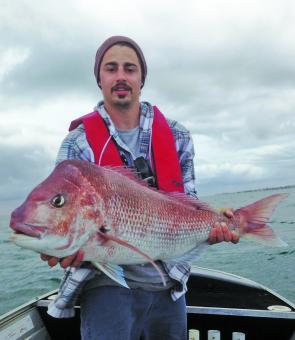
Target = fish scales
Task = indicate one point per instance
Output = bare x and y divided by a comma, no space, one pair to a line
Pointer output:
115,218
155,221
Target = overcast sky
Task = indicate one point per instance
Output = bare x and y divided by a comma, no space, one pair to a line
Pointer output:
225,69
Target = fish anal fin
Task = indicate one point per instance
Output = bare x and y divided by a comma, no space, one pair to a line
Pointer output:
113,271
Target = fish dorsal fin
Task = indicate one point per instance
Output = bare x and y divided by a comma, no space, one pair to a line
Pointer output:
176,196
130,173
189,200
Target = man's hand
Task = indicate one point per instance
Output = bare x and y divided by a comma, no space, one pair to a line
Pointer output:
73,260
220,231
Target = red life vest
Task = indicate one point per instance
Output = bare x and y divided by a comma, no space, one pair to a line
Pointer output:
166,163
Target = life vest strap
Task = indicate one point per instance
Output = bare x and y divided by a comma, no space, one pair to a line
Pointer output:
165,158
168,171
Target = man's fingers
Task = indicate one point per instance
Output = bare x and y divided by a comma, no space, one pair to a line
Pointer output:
225,232
74,260
221,233
78,259
67,261
213,235
235,237
45,257
229,213
53,261
219,230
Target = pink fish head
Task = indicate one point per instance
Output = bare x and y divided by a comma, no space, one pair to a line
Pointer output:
60,214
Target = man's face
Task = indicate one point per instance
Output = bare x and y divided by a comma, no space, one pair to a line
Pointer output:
120,77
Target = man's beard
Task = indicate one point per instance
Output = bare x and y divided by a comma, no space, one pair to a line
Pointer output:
122,105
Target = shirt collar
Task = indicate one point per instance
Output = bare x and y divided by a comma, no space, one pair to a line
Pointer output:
145,125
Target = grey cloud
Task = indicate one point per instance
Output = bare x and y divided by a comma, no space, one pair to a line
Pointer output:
211,76
245,76
60,59
226,181
250,168
47,73
22,168
236,88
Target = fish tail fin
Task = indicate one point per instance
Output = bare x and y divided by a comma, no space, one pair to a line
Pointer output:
254,217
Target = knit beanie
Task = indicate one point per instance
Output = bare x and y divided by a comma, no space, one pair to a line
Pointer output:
113,41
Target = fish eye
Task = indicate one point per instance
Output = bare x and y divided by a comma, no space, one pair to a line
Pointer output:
58,201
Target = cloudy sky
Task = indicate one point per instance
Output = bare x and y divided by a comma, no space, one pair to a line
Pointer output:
225,69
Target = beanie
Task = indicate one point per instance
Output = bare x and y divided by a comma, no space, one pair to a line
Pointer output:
113,41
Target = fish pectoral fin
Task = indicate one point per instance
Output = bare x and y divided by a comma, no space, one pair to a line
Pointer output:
126,244
113,271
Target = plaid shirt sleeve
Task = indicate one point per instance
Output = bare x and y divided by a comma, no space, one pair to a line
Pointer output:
75,146
180,270
186,153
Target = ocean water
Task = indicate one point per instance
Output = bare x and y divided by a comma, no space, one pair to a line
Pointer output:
24,276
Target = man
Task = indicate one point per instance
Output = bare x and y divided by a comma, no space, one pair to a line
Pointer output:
148,310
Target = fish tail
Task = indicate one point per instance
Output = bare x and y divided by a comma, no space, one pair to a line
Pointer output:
254,217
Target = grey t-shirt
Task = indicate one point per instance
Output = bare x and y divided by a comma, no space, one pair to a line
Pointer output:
131,139
143,276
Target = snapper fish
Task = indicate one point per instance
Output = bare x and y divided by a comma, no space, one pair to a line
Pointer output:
116,219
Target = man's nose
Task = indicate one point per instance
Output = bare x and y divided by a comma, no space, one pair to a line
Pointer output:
121,74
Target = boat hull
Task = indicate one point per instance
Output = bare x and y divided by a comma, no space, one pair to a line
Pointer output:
215,301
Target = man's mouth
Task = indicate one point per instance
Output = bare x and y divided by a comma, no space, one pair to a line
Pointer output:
121,90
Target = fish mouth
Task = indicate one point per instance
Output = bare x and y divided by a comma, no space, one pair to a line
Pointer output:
28,229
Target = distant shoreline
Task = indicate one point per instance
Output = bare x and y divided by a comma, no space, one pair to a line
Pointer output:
282,187
7,206
271,188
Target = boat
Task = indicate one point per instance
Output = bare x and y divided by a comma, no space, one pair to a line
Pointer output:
219,306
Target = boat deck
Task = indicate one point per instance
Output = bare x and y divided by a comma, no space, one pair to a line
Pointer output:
215,301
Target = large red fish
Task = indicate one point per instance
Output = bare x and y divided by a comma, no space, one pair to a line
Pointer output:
116,219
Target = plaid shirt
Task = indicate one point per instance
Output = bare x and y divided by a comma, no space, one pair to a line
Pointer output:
75,146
